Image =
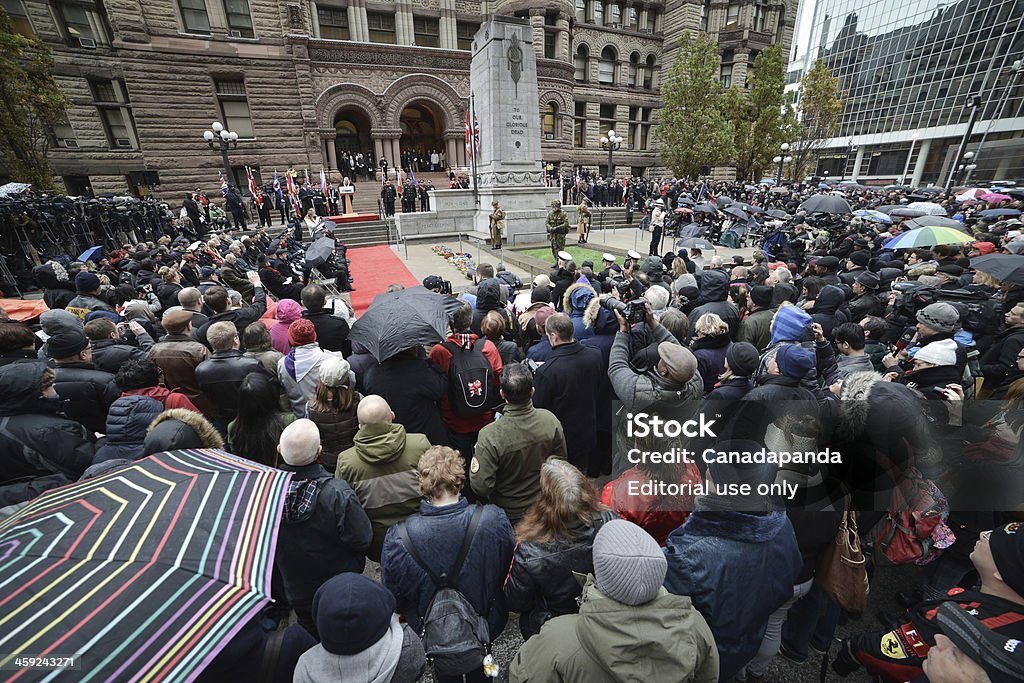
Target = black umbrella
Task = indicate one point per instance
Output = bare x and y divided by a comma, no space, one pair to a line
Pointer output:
907,213
697,243
737,212
725,201
751,209
1003,267
778,213
319,252
1018,193
826,203
931,190
400,320
933,222
889,208
706,208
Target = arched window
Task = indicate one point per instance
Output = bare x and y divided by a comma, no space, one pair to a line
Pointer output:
634,68
549,123
649,73
580,62
606,67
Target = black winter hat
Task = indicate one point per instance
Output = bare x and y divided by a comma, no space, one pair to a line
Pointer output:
352,612
762,295
860,258
65,344
742,358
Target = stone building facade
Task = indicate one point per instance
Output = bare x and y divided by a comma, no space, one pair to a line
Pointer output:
304,82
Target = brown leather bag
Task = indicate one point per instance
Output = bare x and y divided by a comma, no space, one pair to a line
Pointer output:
842,567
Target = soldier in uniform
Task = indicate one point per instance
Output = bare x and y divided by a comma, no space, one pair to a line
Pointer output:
389,194
497,224
557,226
408,198
582,222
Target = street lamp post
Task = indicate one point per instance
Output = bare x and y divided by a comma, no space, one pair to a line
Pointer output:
825,173
220,139
974,104
781,159
611,142
966,167
850,150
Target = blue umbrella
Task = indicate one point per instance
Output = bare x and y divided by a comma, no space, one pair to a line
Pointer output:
873,216
90,254
999,213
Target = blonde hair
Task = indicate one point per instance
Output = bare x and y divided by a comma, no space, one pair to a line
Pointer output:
167,273
441,470
493,326
709,325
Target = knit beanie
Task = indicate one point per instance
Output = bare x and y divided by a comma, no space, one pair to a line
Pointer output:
629,567
761,295
942,352
65,344
86,281
940,316
352,612
742,358
790,324
794,360
860,258
301,332
1007,546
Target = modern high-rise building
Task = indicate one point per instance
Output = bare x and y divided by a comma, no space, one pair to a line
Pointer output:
306,82
917,76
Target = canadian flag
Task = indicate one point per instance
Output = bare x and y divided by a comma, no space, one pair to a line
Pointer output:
475,388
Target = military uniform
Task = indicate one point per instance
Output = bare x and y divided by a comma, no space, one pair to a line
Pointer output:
497,225
389,194
583,222
557,226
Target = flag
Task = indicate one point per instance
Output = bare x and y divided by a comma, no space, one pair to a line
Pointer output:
253,189
306,185
469,145
223,184
323,183
623,187
476,134
277,187
294,194
413,178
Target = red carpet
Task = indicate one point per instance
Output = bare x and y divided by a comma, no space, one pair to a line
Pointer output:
355,218
374,268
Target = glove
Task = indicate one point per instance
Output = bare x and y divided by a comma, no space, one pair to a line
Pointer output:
845,663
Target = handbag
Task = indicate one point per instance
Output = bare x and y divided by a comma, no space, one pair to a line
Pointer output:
842,567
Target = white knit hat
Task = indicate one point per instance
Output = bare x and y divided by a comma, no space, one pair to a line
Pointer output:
941,352
629,567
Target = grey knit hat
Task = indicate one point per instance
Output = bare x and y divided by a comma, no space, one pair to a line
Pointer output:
628,564
940,316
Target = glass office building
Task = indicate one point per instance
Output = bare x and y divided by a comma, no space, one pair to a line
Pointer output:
909,69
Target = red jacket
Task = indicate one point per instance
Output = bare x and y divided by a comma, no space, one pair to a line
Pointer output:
442,357
657,515
170,399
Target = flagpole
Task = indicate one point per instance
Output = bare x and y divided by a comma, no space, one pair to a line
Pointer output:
472,144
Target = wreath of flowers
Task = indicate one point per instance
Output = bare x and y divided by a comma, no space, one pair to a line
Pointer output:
463,261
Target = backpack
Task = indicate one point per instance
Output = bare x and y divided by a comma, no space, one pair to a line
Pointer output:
455,638
510,279
471,389
914,530
979,312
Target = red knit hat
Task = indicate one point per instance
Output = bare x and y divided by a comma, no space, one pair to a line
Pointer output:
301,332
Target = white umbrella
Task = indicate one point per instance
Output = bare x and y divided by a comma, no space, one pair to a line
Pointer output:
12,189
930,208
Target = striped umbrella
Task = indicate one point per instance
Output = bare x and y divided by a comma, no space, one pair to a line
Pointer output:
928,237
145,572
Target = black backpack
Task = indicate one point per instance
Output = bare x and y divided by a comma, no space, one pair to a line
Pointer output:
455,638
471,388
980,313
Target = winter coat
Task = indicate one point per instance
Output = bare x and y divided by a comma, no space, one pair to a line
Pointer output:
540,351
83,304
317,665
664,635
488,298
172,428
235,279
756,329
712,558
336,431
574,303
324,532
1001,357
442,357
714,295
127,421
541,585
299,372
167,292
815,531
268,359
927,380
412,387
37,440
109,356
89,392
732,389
287,312
437,534
830,309
169,399
220,377
240,317
381,468
178,355
604,325
864,305
657,515
710,354
331,330
567,385
633,388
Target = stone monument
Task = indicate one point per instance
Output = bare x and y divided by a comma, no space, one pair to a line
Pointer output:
509,169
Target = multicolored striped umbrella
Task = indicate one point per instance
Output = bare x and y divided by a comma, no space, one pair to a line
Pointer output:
145,572
928,237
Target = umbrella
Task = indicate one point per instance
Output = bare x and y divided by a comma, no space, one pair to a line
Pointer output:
90,254
737,212
999,213
897,188
685,201
695,243
823,186
934,222
399,320
706,208
147,571
928,237
889,208
780,189
995,197
970,193
725,201
904,212
826,203
11,189
848,185
778,213
1003,267
930,208
1018,193
752,209
931,190
873,216
319,252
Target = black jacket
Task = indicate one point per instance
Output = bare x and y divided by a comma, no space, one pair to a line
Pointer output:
331,331
108,355
412,387
714,294
241,317
37,440
731,389
221,375
541,585
1001,357
324,532
568,385
89,393
488,298
167,292
830,309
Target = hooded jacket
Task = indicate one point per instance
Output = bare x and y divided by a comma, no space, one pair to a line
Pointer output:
575,303
488,298
634,388
397,656
89,392
35,440
127,422
381,468
609,642
714,295
287,312
710,353
711,559
324,532
657,515
829,308
299,372
180,428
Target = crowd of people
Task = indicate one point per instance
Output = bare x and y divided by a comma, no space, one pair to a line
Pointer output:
485,476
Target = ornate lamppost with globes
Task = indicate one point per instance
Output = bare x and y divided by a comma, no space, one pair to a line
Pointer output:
966,167
780,159
611,142
220,139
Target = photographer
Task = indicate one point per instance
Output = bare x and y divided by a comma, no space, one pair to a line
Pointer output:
110,345
673,376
